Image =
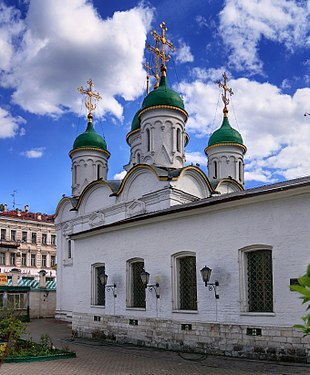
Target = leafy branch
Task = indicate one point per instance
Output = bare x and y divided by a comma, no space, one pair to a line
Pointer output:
303,288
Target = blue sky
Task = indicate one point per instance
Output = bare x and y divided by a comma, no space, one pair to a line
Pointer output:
50,48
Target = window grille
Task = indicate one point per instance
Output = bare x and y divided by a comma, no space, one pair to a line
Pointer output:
259,274
138,288
187,283
98,290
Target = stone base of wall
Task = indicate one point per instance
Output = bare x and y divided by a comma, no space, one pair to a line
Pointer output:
262,342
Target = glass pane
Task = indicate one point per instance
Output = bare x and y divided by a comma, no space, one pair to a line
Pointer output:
187,283
260,293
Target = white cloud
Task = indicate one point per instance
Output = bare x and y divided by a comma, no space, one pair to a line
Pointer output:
9,125
271,123
201,21
183,53
34,153
64,44
11,27
196,158
244,23
119,176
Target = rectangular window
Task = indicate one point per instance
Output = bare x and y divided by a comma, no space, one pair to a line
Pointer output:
53,239
3,234
69,249
12,259
43,263
13,235
185,282
24,236
136,288
33,260
98,290
33,237
24,259
44,238
2,258
259,281
53,260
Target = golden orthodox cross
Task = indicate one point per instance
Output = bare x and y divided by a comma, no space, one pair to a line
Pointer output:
225,91
88,103
160,54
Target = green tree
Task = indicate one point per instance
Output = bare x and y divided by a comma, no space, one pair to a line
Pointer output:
303,288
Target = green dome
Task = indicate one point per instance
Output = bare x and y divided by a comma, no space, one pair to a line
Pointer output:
163,95
225,134
135,122
90,139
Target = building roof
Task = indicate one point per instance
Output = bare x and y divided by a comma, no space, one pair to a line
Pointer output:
90,139
211,201
29,216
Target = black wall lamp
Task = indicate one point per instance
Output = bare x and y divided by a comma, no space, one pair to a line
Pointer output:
206,275
103,277
145,277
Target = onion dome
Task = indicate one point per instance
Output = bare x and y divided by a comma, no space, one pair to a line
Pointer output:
163,96
135,122
225,134
90,138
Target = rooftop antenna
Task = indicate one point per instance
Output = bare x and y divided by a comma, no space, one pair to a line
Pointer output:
13,196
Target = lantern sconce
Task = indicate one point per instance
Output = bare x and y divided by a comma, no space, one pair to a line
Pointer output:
103,277
145,277
206,274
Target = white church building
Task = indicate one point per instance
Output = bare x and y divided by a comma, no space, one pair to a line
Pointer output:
172,258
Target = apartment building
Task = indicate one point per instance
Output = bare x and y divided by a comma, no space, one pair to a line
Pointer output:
27,242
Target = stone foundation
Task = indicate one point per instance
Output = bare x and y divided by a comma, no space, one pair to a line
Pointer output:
263,342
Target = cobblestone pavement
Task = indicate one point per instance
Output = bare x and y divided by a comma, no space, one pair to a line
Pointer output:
97,358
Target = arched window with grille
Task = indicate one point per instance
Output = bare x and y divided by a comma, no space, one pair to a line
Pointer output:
184,281
97,288
135,286
256,279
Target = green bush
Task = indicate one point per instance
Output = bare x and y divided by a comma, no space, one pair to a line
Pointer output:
13,324
303,288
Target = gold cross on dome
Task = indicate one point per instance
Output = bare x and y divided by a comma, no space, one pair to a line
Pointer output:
225,91
88,91
160,53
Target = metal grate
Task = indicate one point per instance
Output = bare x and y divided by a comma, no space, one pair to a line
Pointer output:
259,270
187,283
138,288
100,289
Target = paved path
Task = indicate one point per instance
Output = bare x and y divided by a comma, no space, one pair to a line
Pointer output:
97,358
